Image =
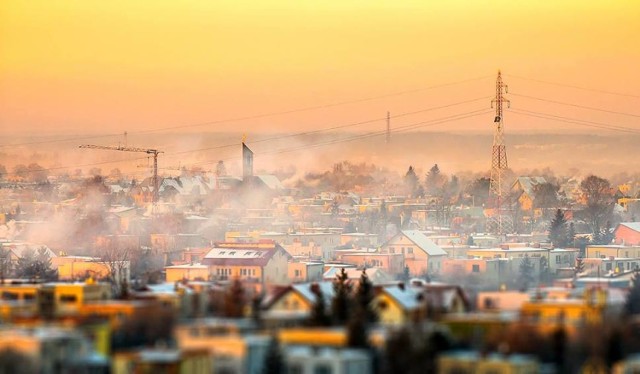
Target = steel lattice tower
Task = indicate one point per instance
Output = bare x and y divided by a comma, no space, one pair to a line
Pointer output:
499,222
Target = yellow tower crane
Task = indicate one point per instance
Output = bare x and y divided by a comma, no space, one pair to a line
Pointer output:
153,152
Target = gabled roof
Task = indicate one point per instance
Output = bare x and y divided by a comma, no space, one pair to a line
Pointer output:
302,289
408,298
253,254
528,183
635,226
442,295
424,243
376,275
271,181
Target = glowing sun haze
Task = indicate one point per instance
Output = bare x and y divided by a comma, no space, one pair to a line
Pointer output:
132,65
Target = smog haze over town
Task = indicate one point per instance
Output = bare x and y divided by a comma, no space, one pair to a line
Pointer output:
319,187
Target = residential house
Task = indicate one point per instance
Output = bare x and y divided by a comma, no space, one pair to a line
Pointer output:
296,300
610,265
50,349
475,362
377,276
305,271
490,271
399,304
359,239
392,263
191,272
264,262
612,250
163,360
57,299
421,254
502,301
572,313
309,360
525,188
627,233
562,259
230,347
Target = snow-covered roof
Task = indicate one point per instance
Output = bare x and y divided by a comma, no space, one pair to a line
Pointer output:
529,183
406,297
635,226
304,289
271,181
424,243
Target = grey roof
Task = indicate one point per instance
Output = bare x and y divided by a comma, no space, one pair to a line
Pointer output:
376,275
271,181
635,226
304,289
528,183
424,243
407,297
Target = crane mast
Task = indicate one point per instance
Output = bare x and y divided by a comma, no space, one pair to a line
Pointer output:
153,152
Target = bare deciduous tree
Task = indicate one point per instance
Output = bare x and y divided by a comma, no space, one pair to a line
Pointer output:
117,261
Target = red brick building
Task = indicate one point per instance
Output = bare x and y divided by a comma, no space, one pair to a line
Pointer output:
627,233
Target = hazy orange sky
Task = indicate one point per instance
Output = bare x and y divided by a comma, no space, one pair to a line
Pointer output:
111,66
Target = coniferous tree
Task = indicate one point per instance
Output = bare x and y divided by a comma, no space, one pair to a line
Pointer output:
319,315
256,309
525,277
273,362
470,241
632,305
364,297
571,235
558,233
35,265
433,180
341,298
234,300
544,269
406,275
411,181
357,336
579,268
5,264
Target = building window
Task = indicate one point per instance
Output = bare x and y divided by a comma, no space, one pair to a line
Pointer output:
475,268
410,250
557,259
295,369
322,369
68,298
297,273
392,250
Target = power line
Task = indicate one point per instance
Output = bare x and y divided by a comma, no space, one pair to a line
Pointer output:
579,122
315,107
576,105
576,87
257,116
366,135
273,137
59,140
337,127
